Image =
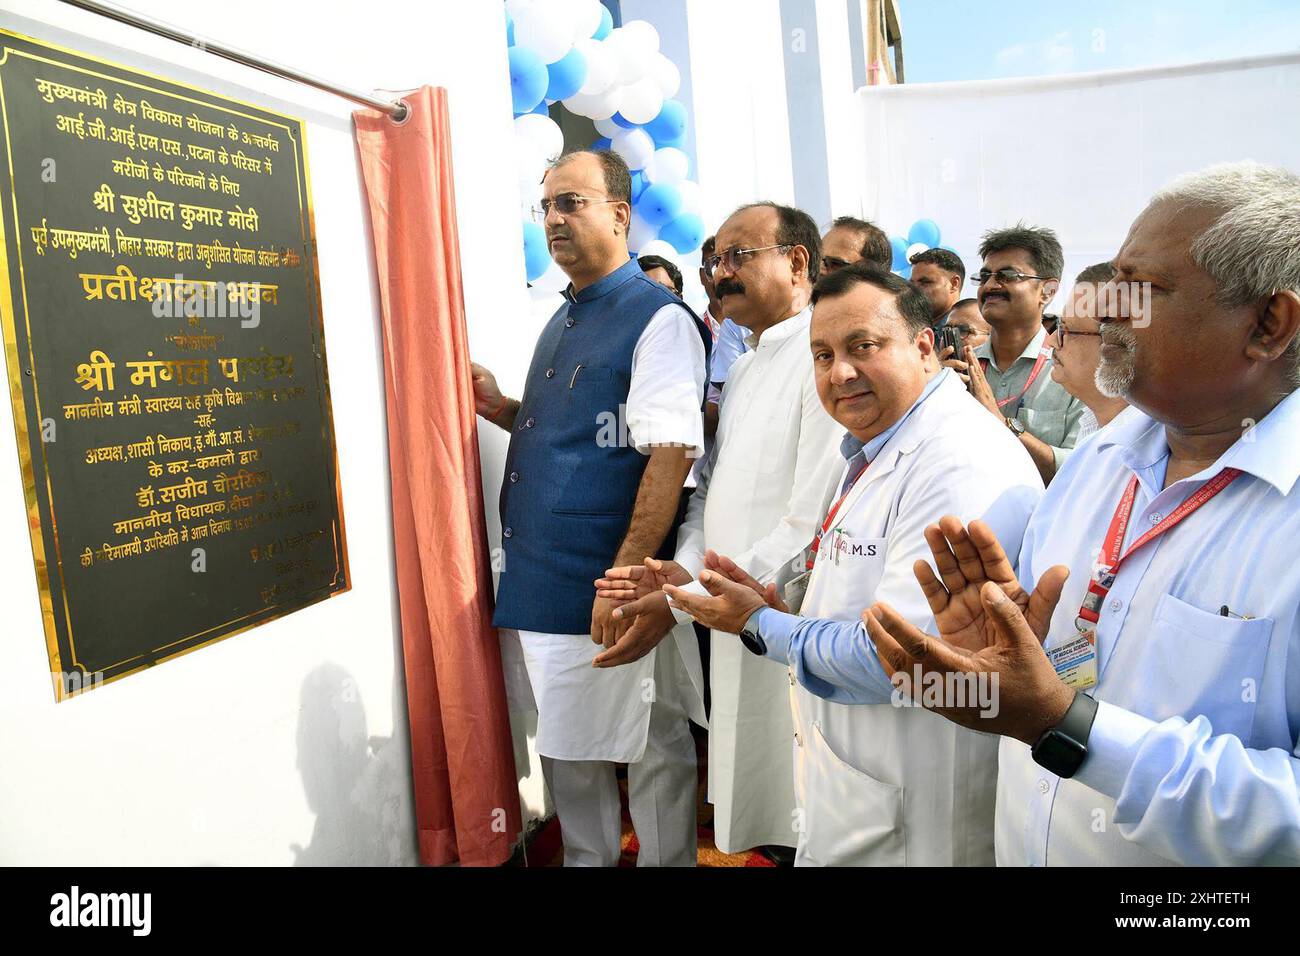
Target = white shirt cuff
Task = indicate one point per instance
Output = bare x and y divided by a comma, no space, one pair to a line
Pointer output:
1113,745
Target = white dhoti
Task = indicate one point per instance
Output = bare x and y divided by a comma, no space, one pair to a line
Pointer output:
590,718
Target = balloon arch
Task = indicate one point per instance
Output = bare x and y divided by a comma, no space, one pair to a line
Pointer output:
568,51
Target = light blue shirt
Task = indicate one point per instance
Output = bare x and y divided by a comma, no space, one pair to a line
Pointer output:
835,659
1193,754
730,345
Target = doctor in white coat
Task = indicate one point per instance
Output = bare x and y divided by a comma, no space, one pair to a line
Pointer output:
880,781
773,462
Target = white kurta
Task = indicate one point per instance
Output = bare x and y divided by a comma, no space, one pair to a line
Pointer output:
879,784
773,464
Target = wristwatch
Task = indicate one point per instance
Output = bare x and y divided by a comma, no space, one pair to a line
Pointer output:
749,635
1016,425
1062,749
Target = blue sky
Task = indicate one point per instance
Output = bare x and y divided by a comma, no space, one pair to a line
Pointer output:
969,40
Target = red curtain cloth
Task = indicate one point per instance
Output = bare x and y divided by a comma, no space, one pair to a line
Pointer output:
466,792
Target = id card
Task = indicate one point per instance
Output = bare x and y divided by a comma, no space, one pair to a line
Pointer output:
1076,660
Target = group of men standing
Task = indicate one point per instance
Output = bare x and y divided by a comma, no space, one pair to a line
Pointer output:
916,654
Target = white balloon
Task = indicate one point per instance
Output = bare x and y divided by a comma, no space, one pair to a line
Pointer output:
597,106
543,132
642,34
601,65
513,7
667,165
641,234
665,73
692,197
552,280
586,18
914,248
633,59
635,146
607,127
642,101
531,165
548,36
659,247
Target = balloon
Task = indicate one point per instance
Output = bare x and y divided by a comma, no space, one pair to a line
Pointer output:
667,165
595,106
622,122
642,102
584,18
665,73
659,247
641,34
607,127
686,233
527,79
924,231
514,6
914,248
536,256
669,124
510,29
899,245
552,280
906,272
692,197
606,24
601,68
602,142
546,35
638,185
632,57
640,234
660,203
566,75
543,132
635,146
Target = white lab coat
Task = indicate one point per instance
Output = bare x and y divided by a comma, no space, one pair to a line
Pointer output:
879,784
772,464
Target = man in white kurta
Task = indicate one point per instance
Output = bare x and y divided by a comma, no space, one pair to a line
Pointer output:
879,782
771,467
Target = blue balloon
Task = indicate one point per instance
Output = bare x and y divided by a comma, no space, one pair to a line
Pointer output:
510,29
543,108
638,184
625,123
566,75
606,24
669,125
686,233
660,203
537,259
906,273
528,79
899,245
604,142
924,231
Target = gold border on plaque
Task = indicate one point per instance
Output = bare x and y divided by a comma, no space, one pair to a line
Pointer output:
341,582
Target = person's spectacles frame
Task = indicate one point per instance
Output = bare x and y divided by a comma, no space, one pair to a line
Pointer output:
567,204
735,258
1005,276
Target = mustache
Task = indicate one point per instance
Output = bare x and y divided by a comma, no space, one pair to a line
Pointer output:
557,234
728,287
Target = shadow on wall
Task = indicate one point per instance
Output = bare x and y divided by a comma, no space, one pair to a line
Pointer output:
359,787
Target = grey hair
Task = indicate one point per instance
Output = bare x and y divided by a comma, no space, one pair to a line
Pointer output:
1252,249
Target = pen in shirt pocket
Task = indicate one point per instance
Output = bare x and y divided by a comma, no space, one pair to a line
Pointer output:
1224,612
575,375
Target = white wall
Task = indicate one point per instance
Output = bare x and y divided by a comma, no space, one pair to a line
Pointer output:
242,751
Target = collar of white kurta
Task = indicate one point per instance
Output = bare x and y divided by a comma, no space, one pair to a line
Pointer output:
799,322
1268,449
985,350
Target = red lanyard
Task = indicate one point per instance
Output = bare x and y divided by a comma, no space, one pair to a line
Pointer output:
1112,559
1043,355
830,516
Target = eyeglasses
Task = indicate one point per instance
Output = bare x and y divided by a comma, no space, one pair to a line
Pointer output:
567,205
1064,332
1004,276
831,263
733,259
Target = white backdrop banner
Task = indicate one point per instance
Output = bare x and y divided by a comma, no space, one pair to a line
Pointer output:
1081,154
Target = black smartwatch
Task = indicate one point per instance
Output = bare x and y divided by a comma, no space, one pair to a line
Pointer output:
749,635
1062,749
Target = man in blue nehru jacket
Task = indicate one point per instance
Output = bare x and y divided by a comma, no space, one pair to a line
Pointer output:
607,429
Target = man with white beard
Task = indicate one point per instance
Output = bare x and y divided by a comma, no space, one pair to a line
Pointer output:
770,471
